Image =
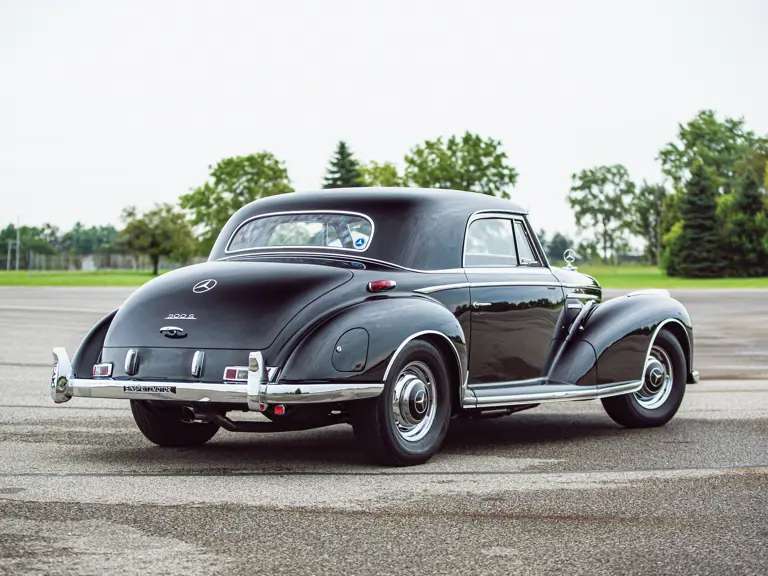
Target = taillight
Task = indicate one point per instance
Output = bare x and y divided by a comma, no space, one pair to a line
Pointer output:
380,286
236,374
102,370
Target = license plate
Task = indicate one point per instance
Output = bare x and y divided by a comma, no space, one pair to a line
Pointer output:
148,388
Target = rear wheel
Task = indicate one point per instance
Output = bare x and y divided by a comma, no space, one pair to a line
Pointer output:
663,387
164,425
407,423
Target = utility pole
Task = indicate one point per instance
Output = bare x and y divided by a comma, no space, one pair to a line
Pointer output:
18,243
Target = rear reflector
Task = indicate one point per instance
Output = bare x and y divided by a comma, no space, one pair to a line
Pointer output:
236,373
102,370
380,286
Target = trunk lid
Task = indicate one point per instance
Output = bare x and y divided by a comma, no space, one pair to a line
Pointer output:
221,305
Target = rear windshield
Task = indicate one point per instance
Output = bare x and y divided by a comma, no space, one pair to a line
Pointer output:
334,230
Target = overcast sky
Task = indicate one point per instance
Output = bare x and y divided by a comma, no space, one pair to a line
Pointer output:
104,104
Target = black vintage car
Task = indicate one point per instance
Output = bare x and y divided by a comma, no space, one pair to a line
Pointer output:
393,310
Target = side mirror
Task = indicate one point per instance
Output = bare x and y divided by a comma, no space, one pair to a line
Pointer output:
570,257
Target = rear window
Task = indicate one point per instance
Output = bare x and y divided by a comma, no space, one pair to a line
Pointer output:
309,229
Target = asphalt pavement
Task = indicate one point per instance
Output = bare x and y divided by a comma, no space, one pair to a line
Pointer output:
558,489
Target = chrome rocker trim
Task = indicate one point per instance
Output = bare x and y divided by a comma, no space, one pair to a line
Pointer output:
256,394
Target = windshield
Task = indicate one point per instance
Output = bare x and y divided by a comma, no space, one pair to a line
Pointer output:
309,229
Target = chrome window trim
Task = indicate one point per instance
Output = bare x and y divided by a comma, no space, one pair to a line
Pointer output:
291,212
508,215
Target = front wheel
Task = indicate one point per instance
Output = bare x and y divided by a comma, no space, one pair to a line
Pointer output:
407,423
663,387
164,425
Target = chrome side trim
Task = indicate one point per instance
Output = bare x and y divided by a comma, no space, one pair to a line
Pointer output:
255,252
462,386
574,296
319,393
578,393
438,288
258,216
442,287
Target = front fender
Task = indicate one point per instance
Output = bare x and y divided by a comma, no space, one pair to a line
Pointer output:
621,331
359,343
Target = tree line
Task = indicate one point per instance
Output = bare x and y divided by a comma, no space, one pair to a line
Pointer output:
707,217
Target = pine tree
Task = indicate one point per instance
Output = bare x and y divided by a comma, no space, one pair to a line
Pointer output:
698,245
748,228
344,171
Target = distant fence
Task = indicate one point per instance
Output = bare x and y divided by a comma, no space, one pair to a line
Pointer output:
32,261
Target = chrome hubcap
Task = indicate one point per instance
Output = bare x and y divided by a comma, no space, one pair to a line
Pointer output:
657,379
414,401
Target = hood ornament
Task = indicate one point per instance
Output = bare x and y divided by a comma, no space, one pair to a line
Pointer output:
173,332
204,286
570,257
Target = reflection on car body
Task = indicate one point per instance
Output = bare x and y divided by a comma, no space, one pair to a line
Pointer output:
393,310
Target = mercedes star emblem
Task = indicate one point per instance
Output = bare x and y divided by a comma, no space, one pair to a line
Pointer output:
204,286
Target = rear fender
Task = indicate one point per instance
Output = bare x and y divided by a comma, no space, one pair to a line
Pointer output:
360,343
90,348
621,331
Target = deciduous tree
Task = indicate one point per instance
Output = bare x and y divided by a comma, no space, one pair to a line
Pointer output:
469,162
600,198
646,212
233,183
385,174
162,231
719,146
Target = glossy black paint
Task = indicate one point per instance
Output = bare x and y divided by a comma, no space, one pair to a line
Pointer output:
620,332
298,306
512,326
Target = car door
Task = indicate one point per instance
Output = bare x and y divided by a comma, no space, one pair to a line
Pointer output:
516,301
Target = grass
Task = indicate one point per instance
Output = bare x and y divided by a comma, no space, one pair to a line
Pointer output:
626,277
61,278
632,276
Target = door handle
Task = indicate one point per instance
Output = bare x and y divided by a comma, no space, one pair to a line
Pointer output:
481,304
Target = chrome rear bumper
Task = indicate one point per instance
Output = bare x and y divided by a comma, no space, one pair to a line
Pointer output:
256,394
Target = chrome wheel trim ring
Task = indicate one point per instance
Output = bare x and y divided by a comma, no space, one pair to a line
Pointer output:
658,377
414,401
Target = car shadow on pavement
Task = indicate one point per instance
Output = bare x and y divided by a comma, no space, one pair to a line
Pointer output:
335,446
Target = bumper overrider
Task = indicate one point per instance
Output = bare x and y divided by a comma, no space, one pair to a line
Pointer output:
255,394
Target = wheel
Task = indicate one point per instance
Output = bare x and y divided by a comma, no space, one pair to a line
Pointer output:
164,425
407,423
663,387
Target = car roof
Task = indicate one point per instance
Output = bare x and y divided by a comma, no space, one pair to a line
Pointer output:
415,228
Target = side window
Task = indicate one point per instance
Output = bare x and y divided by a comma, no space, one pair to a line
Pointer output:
524,247
490,242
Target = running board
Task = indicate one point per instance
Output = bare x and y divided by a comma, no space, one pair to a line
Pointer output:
516,393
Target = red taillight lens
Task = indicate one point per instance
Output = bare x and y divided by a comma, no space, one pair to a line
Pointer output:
380,286
236,374
102,370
